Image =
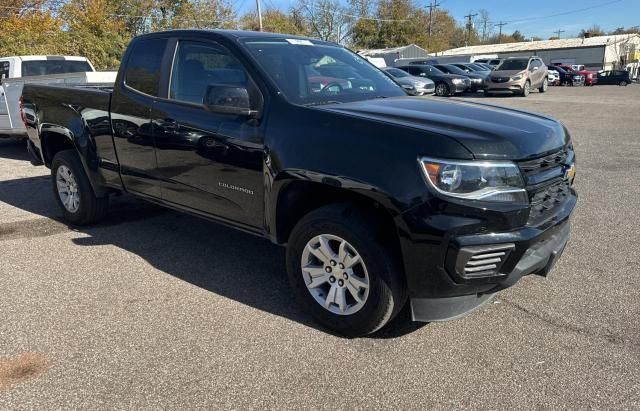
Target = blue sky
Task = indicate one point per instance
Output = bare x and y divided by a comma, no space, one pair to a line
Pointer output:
608,14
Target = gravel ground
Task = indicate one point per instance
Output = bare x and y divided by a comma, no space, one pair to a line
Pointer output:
152,308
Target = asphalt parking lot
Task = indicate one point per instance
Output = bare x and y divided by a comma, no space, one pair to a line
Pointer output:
152,308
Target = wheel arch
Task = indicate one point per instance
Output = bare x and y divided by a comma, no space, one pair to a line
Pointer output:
294,198
55,138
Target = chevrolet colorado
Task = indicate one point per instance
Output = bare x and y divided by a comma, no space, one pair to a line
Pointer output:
379,198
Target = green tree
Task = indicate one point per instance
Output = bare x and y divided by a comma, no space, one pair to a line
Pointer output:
592,31
274,21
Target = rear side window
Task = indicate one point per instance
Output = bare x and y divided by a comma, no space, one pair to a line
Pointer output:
53,66
4,69
143,67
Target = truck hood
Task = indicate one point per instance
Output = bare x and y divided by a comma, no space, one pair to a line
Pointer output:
487,131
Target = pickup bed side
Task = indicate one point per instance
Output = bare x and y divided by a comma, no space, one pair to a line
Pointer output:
80,123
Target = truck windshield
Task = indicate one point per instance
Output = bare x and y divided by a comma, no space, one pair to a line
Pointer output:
311,72
45,67
515,64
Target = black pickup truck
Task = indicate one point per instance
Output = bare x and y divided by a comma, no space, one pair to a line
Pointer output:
380,198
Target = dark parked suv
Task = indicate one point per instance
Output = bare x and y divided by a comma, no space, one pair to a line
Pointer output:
617,77
446,84
379,198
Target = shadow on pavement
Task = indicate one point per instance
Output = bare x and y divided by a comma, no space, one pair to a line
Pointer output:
222,260
13,149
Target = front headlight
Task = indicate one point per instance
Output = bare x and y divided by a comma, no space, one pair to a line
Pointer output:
517,77
495,181
457,81
408,87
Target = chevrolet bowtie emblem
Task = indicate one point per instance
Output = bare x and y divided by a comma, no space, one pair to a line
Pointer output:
570,173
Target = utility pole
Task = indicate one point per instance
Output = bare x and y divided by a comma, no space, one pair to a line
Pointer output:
259,14
432,7
558,32
469,27
502,23
484,30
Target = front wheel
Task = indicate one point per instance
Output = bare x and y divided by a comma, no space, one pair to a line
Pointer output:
544,87
623,83
526,89
73,191
344,272
442,90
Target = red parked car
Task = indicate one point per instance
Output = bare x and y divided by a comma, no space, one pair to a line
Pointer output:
590,77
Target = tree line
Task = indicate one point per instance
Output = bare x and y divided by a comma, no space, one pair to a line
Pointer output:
101,29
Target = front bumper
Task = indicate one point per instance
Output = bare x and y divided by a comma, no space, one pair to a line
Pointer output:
507,87
428,89
438,290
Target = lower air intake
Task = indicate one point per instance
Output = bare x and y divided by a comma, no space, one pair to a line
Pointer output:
482,261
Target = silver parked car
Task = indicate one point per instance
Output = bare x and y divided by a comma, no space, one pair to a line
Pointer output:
416,86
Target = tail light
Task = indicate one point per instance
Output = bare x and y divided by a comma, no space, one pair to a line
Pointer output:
22,114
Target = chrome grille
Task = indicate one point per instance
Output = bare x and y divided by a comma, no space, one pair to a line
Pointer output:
499,79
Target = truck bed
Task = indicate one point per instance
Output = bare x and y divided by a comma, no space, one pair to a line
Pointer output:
12,89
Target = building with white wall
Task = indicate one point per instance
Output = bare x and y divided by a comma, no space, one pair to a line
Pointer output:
596,53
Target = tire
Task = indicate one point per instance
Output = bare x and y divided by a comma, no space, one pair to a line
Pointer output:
544,87
566,83
442,90
488,94
623,83
83,207
526,89
378,267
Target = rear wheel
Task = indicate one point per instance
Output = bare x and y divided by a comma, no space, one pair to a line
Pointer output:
342,271
623,83
442,89
73,191
544,87
526,89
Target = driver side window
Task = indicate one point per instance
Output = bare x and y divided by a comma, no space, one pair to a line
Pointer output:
199,66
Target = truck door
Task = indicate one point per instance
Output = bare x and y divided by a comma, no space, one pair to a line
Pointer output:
209,160
137,87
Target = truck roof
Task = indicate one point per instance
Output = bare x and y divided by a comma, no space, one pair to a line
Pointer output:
43,57
236,34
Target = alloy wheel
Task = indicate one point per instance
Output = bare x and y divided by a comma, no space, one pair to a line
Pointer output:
67,189
335,274
442,90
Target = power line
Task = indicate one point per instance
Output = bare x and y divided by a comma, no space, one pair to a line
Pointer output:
564,13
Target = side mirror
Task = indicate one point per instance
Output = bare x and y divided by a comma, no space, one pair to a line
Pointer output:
229,99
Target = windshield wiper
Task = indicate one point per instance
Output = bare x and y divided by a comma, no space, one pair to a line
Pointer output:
319,103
